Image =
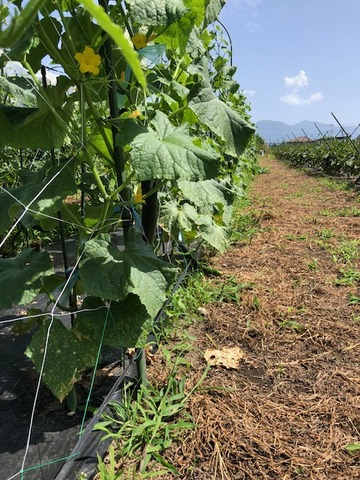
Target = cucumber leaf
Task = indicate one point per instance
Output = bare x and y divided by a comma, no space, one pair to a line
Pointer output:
167,152
222,120
21,277
112,274
156,12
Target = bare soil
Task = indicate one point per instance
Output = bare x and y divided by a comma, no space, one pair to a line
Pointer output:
293,403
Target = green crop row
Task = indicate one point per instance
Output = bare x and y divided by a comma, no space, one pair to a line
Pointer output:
331,156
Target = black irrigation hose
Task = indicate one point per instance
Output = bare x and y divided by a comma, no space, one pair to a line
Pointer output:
83,458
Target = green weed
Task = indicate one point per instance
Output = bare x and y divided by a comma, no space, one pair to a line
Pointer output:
244,224
354,300
296,237
295,195
144,427
347,251
343,212
348,276
199,290
313,265
337,185
292,325
313,220
326,233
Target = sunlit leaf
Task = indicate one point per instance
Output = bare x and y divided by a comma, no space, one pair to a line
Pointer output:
67,354
156,12
168,152
184,215
59,184
207,195
21,277
215,235
40,127
352,447
112,274
222,120
213,9
20,95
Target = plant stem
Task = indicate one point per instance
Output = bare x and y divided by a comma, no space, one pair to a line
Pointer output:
118,153
97,118
73,217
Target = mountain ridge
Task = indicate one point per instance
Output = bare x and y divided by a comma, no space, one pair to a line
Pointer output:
274,131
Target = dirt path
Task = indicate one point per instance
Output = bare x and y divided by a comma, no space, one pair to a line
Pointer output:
294,402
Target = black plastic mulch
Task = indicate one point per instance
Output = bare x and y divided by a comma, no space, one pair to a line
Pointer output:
55,431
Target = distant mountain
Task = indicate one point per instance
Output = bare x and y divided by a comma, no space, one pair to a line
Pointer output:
277,132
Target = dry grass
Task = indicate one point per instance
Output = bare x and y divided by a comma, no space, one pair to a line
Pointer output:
294,403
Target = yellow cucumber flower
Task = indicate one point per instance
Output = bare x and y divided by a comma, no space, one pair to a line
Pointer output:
134,114
139,197
89,61
139,41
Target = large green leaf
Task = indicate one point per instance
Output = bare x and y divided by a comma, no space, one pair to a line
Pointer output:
111,274
186,218
168,152
128,323
52,28
67,354
20,95
183,216
209,196
197,7
216,235
41,127
21,277
177,35
222,120
213,9
48,202
98,145
156,12
195,46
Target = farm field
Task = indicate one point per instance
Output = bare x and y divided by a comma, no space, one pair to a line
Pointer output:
292,405
126,141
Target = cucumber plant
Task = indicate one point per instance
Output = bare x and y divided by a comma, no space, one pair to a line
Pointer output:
148,128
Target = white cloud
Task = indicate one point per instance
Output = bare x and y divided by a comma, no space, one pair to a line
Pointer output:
315,97
249,93
298,81
291,99
295,99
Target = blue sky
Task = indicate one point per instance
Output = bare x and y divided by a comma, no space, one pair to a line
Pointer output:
297,59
